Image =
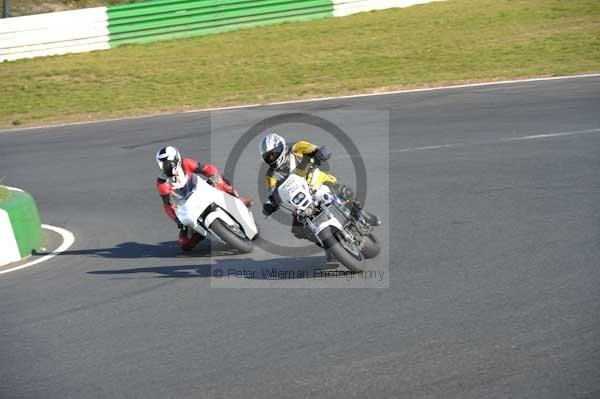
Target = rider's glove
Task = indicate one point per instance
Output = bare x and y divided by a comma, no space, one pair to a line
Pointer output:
347,193
321,154
269,208
213,180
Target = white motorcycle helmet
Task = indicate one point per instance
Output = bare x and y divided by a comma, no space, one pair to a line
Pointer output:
273,150
169,162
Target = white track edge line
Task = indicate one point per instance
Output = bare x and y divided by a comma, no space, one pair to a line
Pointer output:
68,240
550,135
498,141
385,93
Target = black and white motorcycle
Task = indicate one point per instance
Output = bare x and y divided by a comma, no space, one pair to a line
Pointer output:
343,233
210,211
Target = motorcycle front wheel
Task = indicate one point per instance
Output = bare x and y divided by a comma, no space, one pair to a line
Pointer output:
371,247
347,253
236,239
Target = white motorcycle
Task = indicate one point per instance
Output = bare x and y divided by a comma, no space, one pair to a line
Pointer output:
208,210
345,235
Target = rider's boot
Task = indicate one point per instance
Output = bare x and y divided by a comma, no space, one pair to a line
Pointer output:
300,232
370,218
188,239
348,194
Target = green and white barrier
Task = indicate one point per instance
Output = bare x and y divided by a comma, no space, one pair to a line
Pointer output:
55,33
20,227
342,8
106,27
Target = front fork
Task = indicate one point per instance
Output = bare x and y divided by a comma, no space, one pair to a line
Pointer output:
312,227
198,228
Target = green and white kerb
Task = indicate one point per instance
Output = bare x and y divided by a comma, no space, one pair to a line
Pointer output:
20,227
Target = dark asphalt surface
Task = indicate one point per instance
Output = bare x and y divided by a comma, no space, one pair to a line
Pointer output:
494,278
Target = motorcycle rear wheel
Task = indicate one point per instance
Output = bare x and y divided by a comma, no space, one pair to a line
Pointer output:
225,233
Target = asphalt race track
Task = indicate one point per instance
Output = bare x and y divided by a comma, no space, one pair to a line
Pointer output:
494,277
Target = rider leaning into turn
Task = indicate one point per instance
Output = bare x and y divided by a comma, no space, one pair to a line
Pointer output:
300,159
175,173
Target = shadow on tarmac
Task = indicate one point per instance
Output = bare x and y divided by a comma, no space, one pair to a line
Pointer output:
270,269
247,268
166,249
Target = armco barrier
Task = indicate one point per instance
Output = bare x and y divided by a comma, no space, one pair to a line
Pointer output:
20,227
153,20
170,19
342,8
54,33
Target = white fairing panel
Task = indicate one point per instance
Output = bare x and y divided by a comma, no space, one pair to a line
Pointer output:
324,194
189,211
231,209
218,214
331,222
293,186
237,210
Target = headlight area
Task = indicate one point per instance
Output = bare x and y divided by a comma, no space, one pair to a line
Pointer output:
298,198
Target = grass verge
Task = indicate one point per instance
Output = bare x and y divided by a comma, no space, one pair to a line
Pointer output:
428,45
4,193
20,8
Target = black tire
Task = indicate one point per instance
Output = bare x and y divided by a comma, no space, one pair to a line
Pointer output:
371,247
354,263
243,245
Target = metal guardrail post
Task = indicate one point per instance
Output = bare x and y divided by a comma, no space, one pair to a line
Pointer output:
5,12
